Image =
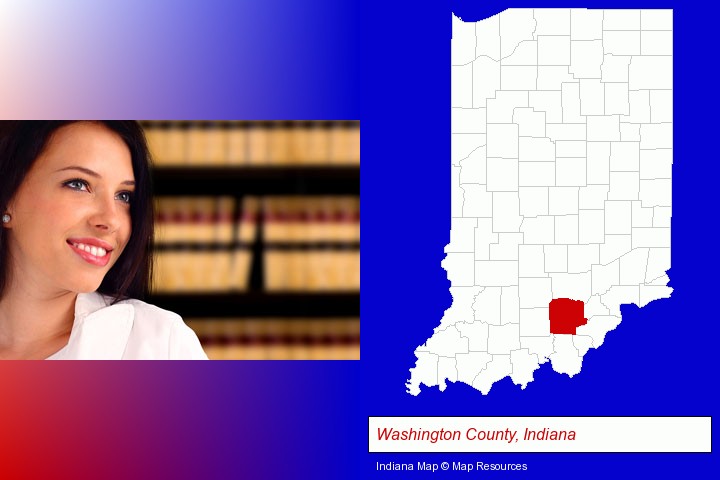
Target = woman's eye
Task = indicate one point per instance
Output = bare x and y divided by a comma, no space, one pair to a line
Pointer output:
125,197
80,185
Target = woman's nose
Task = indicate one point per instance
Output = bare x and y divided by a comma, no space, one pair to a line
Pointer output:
106,214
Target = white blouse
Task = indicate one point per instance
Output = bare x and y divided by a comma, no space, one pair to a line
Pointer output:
128,330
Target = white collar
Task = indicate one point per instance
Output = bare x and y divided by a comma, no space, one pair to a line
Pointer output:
100,331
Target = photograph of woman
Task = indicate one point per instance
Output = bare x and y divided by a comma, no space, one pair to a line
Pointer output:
75,257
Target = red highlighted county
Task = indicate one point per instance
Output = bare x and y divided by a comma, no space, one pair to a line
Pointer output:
566,315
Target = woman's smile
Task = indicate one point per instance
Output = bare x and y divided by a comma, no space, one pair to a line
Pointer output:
92,250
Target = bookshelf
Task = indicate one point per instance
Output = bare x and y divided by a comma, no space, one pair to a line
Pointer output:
267,216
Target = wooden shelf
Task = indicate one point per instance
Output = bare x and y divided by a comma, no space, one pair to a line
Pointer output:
259,304
254,180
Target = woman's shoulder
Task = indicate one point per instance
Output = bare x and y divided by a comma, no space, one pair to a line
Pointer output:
152,313
144,314
156,329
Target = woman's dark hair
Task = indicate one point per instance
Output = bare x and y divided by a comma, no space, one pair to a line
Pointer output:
21,142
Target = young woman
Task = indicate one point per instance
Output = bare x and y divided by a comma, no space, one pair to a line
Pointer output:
75,246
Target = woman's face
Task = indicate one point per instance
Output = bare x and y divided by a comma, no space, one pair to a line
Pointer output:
71,215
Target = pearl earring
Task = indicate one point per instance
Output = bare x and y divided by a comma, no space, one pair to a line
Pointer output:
6,218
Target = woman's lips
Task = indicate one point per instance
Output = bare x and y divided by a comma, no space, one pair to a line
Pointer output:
91,253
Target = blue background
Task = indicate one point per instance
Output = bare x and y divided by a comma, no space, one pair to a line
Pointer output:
387,64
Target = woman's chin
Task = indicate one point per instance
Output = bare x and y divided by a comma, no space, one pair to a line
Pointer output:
87,286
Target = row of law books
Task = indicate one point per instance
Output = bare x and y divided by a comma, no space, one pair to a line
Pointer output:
197,271
282,219
206,244
279,339
253,143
